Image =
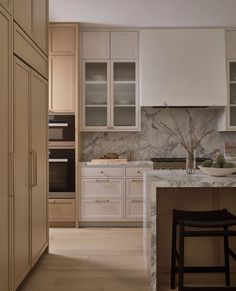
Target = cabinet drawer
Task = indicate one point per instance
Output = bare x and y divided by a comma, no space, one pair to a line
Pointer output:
135,172
101,209
134,209
61,210
102,187
102,172
134,187
29,52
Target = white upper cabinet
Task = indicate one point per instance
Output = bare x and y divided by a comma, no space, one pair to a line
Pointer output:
124,45
96,45
231,44
183,67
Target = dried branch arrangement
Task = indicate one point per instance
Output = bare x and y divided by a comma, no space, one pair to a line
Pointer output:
191,138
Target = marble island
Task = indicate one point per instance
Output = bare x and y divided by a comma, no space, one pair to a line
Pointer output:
214,193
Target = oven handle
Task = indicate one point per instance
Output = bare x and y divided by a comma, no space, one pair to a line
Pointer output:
62,124
58,160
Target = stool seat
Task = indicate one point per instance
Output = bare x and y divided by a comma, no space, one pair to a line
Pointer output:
208,219
213,223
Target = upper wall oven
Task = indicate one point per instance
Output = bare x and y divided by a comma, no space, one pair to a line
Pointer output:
61,128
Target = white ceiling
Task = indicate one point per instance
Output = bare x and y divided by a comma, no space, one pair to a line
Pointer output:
146,13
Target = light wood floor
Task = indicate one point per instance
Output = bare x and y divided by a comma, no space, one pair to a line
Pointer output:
91,260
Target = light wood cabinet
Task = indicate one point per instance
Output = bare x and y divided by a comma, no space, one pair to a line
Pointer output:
30,148
96,45
63,61
39,159
32,17
21,150
227,120
6,169
62,83
183,67
110,81
7,4
111,193
124,45
62,210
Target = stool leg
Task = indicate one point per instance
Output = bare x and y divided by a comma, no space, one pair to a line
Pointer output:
226,254
181,257
173,254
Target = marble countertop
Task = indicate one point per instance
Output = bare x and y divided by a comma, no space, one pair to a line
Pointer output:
126,164
179,178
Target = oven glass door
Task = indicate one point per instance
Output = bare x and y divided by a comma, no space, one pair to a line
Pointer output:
61,175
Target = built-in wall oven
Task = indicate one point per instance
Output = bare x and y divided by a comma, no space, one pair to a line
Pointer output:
61,128
61,173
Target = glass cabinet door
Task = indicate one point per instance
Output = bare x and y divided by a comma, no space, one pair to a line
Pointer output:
96,94
232,93
124,94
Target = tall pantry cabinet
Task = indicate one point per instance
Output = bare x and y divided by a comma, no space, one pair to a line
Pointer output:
5,146
23,145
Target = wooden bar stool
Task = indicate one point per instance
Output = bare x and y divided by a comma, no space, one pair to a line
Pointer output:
209,221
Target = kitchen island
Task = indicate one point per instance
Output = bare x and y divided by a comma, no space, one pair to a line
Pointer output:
168,189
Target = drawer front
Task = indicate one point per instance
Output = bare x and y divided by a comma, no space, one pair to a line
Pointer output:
134,209
29,52
102,172
102,188
135,172
134,187
61,210
101,209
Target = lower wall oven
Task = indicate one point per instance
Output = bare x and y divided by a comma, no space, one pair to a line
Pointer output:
61,173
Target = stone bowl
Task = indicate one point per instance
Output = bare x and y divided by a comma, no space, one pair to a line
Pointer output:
217,172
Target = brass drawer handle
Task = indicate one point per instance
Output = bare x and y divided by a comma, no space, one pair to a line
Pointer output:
103,200
102,180
137,180
136,201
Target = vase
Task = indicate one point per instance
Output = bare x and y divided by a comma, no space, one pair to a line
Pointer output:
191,162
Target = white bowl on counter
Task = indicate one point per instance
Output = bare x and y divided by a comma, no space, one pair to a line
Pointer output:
218,172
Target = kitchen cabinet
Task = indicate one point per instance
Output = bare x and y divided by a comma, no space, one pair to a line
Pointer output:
22,190
61,210
63,68
183,67
6,153
30,149
39,158
32,17
111,193
110,84
7,5
227,120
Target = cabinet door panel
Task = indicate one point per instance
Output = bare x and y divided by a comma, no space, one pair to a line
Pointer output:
62,210
62,84
23,15
21,148
4,145
7,4
124,45
96,45
62,40
231,44
40,18
39,147
134,209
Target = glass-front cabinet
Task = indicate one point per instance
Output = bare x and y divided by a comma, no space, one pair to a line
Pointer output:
95,92
110,95
232,93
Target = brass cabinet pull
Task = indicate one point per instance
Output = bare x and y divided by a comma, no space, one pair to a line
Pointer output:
35,169
136,201
137,180
31,169
12,175
102,200
102,180
59,202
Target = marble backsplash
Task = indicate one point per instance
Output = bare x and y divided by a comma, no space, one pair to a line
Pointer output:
155,142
